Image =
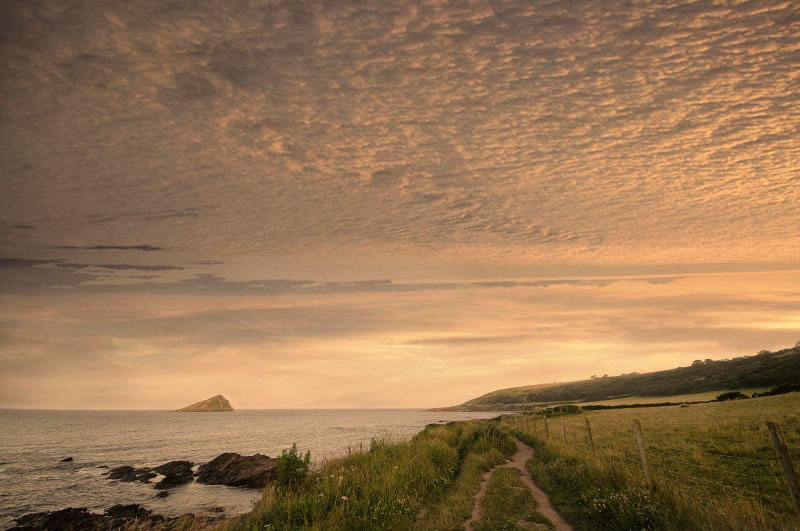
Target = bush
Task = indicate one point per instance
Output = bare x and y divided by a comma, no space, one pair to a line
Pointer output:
731,395
780,390
292,468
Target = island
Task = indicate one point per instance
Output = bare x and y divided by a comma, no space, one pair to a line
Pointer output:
215,403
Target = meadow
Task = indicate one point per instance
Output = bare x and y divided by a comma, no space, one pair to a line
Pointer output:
425,483
712,466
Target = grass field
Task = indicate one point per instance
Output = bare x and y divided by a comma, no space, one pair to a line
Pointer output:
425,483
696,397
713,466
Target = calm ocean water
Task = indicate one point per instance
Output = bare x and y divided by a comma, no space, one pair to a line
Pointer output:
32,443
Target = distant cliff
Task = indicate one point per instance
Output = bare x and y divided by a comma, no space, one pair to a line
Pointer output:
215,403
765,369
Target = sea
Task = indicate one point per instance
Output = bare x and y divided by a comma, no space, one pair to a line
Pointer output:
33,442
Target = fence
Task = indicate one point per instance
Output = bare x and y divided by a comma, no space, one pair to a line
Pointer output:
734,459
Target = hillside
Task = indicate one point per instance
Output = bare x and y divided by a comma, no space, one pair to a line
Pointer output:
215,403
765,369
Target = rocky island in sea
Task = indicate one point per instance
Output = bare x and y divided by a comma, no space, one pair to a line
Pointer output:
215,403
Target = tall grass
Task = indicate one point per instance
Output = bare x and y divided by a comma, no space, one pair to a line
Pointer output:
509,504
713,466
400,485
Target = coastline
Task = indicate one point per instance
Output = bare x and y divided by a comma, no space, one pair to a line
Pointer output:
327,433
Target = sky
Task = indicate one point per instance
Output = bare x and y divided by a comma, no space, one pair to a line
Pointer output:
361,203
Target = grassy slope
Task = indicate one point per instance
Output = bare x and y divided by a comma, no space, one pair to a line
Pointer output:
763,370
713,466
697,397
425,483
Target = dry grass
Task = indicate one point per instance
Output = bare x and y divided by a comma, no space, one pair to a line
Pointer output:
714,463
696,397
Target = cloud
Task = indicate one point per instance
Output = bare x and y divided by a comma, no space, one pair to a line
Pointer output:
436,347
48,276
112,247
464,165
527,130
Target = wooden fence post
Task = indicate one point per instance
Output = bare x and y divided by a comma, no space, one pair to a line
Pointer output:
563,434
546,429
589,435
789,471
535,429
637,430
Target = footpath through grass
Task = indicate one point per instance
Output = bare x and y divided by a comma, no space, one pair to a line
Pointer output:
713,466
425,483
509,504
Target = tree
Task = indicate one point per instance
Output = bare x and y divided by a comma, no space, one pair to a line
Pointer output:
731,395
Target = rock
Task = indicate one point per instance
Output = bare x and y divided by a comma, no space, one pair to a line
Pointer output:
234,470
215,403
129,474
162,494
66,460
72,519
176,473
102,466
132,511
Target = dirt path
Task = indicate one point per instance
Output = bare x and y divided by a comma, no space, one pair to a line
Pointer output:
523,454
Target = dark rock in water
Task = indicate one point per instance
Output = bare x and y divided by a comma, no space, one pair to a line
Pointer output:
176,472
132,511
174,467
66,460
129,474
162,494
70,518
234,470
116,517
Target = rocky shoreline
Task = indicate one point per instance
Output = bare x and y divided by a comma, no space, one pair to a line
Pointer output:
115,517
230,469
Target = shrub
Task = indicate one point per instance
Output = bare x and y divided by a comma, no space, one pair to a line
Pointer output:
780,390
292,468
731,395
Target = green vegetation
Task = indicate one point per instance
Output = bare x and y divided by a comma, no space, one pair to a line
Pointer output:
424,483
712,465
592,497
509,504
763,370
292,468
780,390
705,396
732,395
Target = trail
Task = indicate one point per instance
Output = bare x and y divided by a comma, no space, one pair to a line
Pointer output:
523,454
